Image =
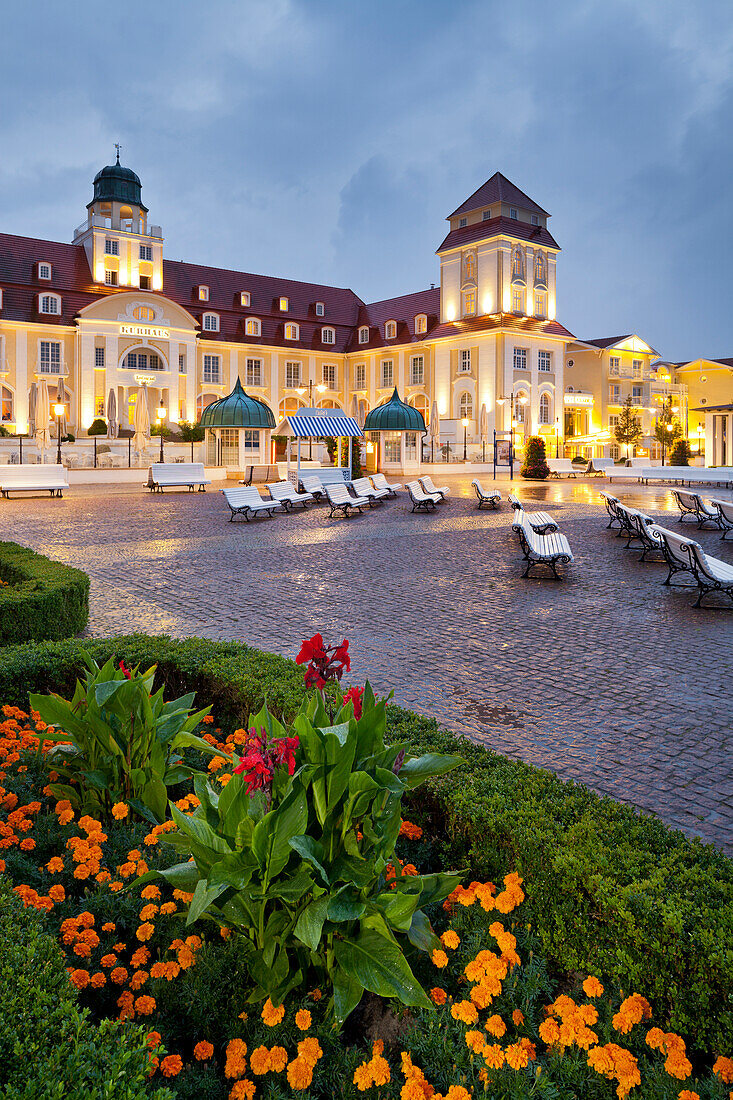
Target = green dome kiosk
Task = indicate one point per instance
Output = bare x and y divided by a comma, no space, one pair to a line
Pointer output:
395,428
238,430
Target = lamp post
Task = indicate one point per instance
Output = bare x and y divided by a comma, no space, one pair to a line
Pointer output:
464,421
557,437
700,434
160,417
320,388
59,411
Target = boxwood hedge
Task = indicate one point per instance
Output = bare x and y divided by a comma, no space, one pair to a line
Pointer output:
610,891
40,598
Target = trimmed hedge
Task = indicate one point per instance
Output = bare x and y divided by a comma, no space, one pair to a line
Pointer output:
49,1049
610,891
45,599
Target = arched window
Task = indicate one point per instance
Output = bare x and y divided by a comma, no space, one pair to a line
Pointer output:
518,263
244,298
203,401
421,323
390,330
521,399
290,405
211,322
292,332
8,404
143,313
540,268
518,299
364,335
465,406
126,218
143,359
328,403
421,403
252,326
328,335
49,303
545,409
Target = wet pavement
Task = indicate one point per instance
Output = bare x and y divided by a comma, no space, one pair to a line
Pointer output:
607,678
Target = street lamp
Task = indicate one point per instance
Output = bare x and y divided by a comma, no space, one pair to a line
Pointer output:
700,434
464,421
557,437
320,388
160,417
59,411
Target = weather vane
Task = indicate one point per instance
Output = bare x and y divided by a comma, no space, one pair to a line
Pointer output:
118,147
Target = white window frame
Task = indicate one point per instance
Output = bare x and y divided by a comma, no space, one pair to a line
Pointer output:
540,304
417,370
111,247
284,304
53,359
146,253
518,299
360,376
637,368
203,293
613,420
292,374
390,330
519,358
534,219
364,334
637,396
462,223
464,366
421,323
544,357
49,298
292,331
513,213
614,394
252,327
545,409
469,302
486,216
210,322
328,335
329,376
386,373
520,407
320,309
465,405
111,277
614,366
10,419
211,370
254,373
44,265
182,369
99,363
245,298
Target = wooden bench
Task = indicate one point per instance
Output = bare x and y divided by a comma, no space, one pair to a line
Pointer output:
725,515
341,500
171,475
421,501
492,497
561,466
364,488
34,479
686,556
541,522
431,488
247,501
552,549
692,504
379,481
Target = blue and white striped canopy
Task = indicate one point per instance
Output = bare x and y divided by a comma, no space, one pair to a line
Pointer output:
305,425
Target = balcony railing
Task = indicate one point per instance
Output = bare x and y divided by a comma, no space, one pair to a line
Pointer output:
96,221
53,370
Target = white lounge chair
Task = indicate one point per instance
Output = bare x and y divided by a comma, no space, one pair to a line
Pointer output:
34,478
562,467
284,493
421,501
364,488
552,549
341,500
379,481
692,504
686,555
491,497
313,485
247,501
541,522
725,515
170,474
429,487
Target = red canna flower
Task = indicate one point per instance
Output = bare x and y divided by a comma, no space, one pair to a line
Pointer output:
354,695
257,766
324,662
125,671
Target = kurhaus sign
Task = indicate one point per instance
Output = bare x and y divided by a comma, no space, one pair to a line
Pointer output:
145,330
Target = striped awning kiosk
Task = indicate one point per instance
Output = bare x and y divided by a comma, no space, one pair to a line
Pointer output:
316,423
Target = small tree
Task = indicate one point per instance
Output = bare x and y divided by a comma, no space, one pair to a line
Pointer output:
680,454
97,427
190,433
667,430
535,463
628,429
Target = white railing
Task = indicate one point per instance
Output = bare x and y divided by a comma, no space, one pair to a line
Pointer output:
54,370
96,221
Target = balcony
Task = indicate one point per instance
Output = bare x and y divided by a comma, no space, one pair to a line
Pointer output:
52,370
121,226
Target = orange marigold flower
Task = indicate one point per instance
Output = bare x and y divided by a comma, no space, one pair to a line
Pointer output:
145,1006
171,1065
440,959
723,1068
496,1026
27,844
278,1059
475,1041
259,1061
120,810
153,1039
450,939
145,931
110,926
138,979
412,832
300,1074
57,892
438,996
151,892
688,1094
80,978
549,1031
493,1055
592,987
203,1051
465,1011
242,1090
236,1058
516,1056
139,957
119,975
55,865
303,1019
168,907
109,960
99,979
518,1017
310,1049
83,950
148,911
272,1015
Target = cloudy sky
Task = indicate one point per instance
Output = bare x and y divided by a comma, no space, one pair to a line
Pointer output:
327,141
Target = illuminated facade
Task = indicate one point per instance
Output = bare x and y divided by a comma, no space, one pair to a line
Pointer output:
109,312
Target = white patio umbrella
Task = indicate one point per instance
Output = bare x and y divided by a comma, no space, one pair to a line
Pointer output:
484,431
61,400
434,429
112,425
141,420
32,402
43,414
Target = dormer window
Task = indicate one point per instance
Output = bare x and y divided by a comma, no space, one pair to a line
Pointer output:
462,222
328,335
390,330
284,305
421,323
203,294
49,304
44,271
535,220
364,335
513,213
211,322
486,215
292,332
252,327
245,298
320,309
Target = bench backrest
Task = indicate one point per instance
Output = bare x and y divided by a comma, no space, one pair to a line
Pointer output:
246,494
515,502
725,508
380,481
687,500
312,484
338,494
520,523
194,470
703,563
561,465
362,486
282,490
608,497
428,484
416,490
677,546
32,474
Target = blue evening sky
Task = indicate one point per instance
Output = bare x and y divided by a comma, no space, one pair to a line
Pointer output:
327,141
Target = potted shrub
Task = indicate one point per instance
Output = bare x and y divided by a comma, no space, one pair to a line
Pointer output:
97,427
535,463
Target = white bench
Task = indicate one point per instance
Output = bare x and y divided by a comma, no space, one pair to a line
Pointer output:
552,549
284,493
379,481
599,466
725,515
247,501
692,504
175,474
541,522
34,479
685,555
637,526
421,501
492,497
327,475
364,488
430,487
341,500
561,466
313,485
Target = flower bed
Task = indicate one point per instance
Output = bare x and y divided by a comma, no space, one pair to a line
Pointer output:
39,598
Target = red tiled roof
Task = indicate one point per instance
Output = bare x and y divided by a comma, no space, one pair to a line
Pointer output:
403,310
532,326
496,227
498,189
607,341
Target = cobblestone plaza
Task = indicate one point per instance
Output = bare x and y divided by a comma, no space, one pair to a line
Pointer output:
607,678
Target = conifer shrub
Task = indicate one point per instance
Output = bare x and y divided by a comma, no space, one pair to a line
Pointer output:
535,462
680,453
